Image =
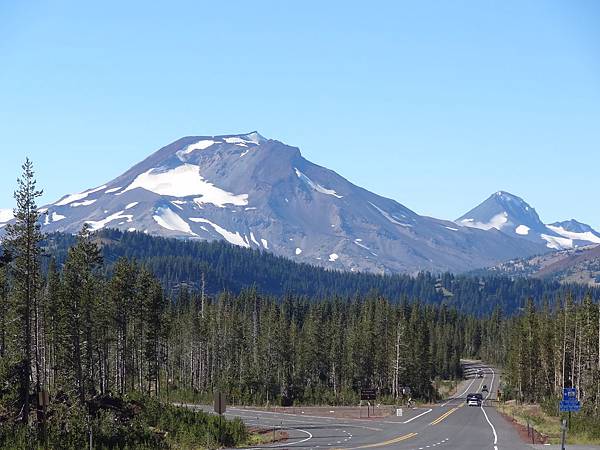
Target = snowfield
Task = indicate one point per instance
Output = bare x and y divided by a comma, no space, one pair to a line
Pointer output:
98,224
587,236
75,197
233,238
183,181
168,219
495,222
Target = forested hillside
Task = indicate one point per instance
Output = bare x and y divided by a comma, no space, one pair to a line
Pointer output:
224,267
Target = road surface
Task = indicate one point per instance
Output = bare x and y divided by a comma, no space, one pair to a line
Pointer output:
447,425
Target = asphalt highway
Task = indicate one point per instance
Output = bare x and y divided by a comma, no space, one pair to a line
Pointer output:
448,425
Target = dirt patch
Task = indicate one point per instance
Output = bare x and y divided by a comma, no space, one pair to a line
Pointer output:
266,436
529,436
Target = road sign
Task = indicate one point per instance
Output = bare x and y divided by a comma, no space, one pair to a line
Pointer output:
220,402
569,403
570,406
569,394
368,394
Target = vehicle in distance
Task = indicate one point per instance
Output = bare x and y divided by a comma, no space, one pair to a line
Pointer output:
484,388
480,373
474,399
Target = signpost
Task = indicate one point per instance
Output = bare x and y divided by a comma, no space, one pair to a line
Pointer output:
569,403
368,394
220,402
220,405
43,402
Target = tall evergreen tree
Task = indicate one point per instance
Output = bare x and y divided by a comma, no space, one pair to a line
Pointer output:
23,239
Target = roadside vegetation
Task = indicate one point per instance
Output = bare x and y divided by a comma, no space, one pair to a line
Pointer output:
543,350
584,430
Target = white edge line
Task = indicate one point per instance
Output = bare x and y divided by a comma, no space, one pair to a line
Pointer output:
485,414
416,417
287,443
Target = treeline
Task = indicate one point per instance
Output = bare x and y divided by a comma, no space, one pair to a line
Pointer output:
179,263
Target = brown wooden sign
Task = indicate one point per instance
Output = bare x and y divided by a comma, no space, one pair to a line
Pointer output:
368,394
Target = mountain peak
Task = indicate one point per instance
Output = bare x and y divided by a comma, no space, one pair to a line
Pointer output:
502,210
512,215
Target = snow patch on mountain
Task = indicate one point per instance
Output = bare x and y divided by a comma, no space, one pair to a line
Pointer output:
522,230
253,238
200,145
333,257
183,181
495,222
316,186
232,238
75,197
170,220
298,251
83,203
265,243
111,190
584,236
390,217
131,205
98,224
557,243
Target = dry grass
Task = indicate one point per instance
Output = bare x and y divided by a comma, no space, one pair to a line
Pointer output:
543,423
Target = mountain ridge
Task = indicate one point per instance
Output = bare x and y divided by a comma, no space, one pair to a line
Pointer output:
260,193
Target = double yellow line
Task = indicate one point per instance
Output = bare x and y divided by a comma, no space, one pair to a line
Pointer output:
385,443
443,416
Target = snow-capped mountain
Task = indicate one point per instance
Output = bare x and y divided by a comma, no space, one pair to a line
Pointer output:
6,215
515,217
577,231
262,194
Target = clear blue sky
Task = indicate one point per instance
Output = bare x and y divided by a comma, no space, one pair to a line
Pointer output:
436,104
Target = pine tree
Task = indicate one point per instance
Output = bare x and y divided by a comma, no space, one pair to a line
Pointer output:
23,243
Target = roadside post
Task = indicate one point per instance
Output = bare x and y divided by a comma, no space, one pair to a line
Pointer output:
368,394
569,403
220,405
563,427
43,402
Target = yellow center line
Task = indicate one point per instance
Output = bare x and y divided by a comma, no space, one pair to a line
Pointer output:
443,416
383,444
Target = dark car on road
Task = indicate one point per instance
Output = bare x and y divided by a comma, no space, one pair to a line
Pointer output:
484,388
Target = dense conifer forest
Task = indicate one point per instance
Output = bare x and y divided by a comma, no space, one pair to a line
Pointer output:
98,320
224,267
